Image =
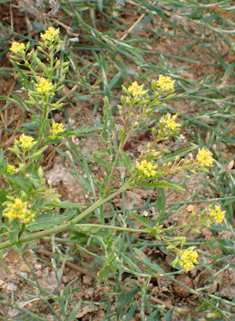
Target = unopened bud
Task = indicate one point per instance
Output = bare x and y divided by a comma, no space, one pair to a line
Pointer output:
169,97
23,196
123,100
177,158
124,89
36,155
193,215
165,150
10,198
40,172
154,84
202,214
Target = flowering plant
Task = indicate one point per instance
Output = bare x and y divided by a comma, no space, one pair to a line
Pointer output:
29,196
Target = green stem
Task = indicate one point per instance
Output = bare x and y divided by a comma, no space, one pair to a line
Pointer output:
50,76
117,228
22,230
188,225
42,128
115,162
70,225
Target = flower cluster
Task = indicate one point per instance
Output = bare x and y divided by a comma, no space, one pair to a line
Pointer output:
216,213
146,167
26,142
18,210
50,34
165,83
204,158
168,125
56,129
137,90
189,258
43,86
10,169
17,47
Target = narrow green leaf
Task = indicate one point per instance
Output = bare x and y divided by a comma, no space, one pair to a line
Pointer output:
143,221
131,264
3,194
109,126
104,273
72,315
131,293
22,182
168,315
85,182
127,161
144,259
101,162
212,244
49,220
181,153
143,23
23,76
130,312
163,184
154,316
217,227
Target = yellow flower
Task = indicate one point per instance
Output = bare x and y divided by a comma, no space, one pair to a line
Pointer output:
166,83
137,90
17,47
18,210
50,34
26,142
204,157
216,213
56,129
44,86
169,125
146,168
10,169
189,258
